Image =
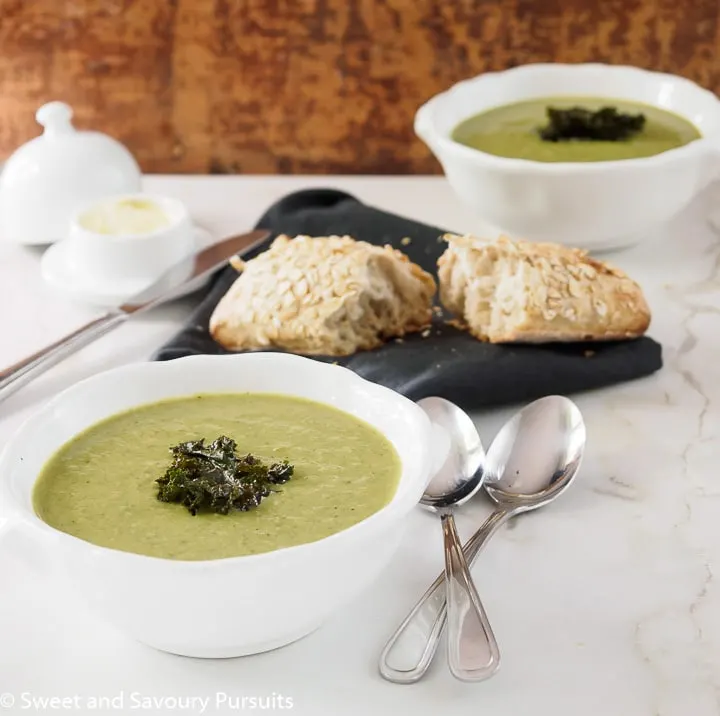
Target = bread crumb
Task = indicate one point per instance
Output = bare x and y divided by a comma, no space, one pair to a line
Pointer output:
425,333
589,354
437,310
405,241
456,323
399,340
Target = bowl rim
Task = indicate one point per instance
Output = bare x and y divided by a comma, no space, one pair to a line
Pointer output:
425,114
26,517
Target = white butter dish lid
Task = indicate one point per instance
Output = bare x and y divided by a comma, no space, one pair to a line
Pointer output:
48,178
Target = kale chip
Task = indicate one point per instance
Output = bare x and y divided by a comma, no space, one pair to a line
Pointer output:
215,478
605,124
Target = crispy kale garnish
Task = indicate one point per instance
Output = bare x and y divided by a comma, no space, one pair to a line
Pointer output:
605,124
215,478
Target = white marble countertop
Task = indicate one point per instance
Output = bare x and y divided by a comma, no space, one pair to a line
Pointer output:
604,603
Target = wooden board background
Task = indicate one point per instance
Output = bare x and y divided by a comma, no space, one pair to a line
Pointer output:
307,86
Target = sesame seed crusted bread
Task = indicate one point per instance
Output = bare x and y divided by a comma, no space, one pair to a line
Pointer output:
323,296
520,292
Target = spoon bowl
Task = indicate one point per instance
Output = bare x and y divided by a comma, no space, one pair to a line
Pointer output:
461,475
536,455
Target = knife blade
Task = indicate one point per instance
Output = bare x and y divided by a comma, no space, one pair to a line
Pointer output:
204,264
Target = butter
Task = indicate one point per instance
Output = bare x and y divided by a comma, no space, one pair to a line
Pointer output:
122,217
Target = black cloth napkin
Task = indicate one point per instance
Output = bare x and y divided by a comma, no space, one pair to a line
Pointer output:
447,362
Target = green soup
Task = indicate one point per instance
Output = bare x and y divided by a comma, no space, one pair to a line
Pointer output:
511,131
101,486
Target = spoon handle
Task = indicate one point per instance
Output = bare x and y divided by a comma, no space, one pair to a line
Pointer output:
473,653
410,650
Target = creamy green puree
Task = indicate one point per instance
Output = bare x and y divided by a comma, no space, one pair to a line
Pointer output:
101,485
511,131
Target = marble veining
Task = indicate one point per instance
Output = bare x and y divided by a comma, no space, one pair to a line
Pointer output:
679,642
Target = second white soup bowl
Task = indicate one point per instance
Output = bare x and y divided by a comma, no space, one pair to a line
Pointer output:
592,205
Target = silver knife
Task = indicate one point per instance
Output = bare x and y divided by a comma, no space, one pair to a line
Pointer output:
205,263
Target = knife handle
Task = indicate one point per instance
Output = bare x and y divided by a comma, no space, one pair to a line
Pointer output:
21,373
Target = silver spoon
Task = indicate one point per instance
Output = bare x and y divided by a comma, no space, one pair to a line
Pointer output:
533,460
472,649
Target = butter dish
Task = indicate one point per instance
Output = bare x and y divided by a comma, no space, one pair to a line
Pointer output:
119,245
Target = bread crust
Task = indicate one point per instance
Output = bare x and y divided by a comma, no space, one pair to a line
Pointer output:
328,295
521,292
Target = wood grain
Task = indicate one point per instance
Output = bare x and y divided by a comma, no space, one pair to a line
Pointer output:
306,86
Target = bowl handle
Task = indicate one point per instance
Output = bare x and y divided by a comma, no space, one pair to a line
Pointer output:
423,126
16,536
711,168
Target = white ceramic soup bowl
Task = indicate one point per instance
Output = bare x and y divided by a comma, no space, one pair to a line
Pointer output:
226,607
593,205
119,256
